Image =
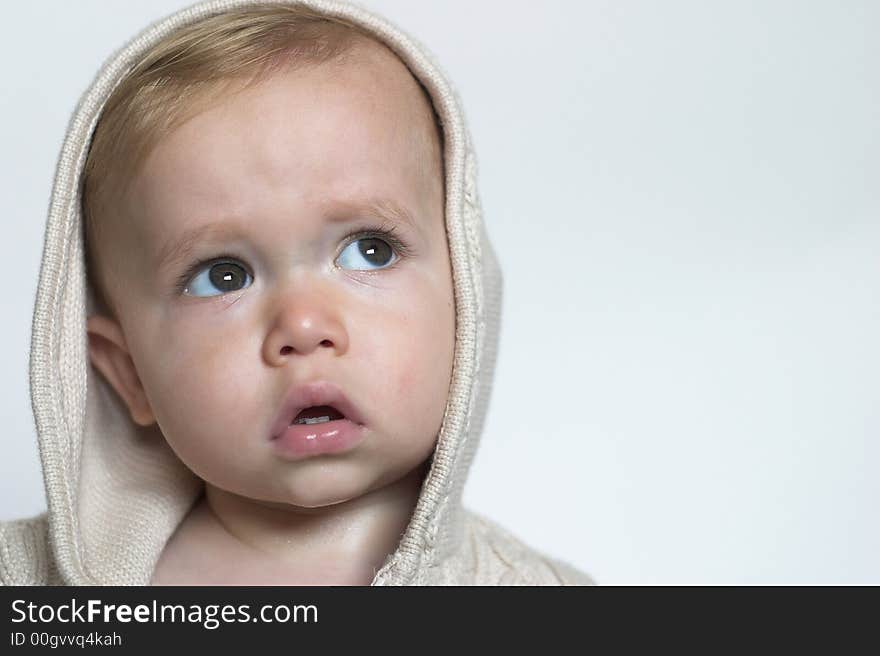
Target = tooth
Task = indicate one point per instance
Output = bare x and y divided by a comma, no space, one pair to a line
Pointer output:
312,420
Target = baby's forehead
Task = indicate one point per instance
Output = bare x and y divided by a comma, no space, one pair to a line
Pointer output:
376,62
364,83
366,65
369,70
310,130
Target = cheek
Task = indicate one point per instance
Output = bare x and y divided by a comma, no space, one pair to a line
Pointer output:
422,379
420,354
200,394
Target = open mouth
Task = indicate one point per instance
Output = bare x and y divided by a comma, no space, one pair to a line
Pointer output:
317,414
318,402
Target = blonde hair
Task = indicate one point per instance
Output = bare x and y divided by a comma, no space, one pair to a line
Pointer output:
184,73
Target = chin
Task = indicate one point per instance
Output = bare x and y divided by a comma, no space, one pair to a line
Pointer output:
316,500
315,505
323,486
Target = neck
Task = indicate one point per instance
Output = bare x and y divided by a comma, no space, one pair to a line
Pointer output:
351,536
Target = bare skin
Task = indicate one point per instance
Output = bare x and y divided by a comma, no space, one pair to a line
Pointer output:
272,548
287,163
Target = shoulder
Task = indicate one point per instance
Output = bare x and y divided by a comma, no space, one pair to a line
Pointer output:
502,558
25,556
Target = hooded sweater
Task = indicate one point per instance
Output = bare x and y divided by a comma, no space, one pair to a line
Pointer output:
114,498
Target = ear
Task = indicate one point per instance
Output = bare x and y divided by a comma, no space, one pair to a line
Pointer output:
109,354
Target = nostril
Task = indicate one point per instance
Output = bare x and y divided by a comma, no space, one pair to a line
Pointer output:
326,342
286,350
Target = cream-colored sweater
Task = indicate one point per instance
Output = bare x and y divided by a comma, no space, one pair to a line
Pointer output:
114,498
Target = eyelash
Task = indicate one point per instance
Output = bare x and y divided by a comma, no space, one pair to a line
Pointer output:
386,232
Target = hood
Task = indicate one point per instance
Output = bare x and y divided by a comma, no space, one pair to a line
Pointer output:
115,497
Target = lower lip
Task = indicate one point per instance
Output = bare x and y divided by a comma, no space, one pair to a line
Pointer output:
300,441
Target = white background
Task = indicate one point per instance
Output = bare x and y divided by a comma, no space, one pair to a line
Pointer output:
684,197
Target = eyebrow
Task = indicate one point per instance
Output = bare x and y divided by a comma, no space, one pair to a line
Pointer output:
180,249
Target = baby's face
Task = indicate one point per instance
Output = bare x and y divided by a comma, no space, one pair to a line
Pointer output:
301,279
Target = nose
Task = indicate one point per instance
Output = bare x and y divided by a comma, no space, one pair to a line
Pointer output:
307,318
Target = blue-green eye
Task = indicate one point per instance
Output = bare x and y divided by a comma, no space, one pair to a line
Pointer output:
224,277
367,253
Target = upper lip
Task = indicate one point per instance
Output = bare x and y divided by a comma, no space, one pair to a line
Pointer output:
316,393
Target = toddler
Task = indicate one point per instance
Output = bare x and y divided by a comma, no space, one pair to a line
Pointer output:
267,317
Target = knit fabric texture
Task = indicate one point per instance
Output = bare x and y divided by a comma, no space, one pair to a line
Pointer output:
115,494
